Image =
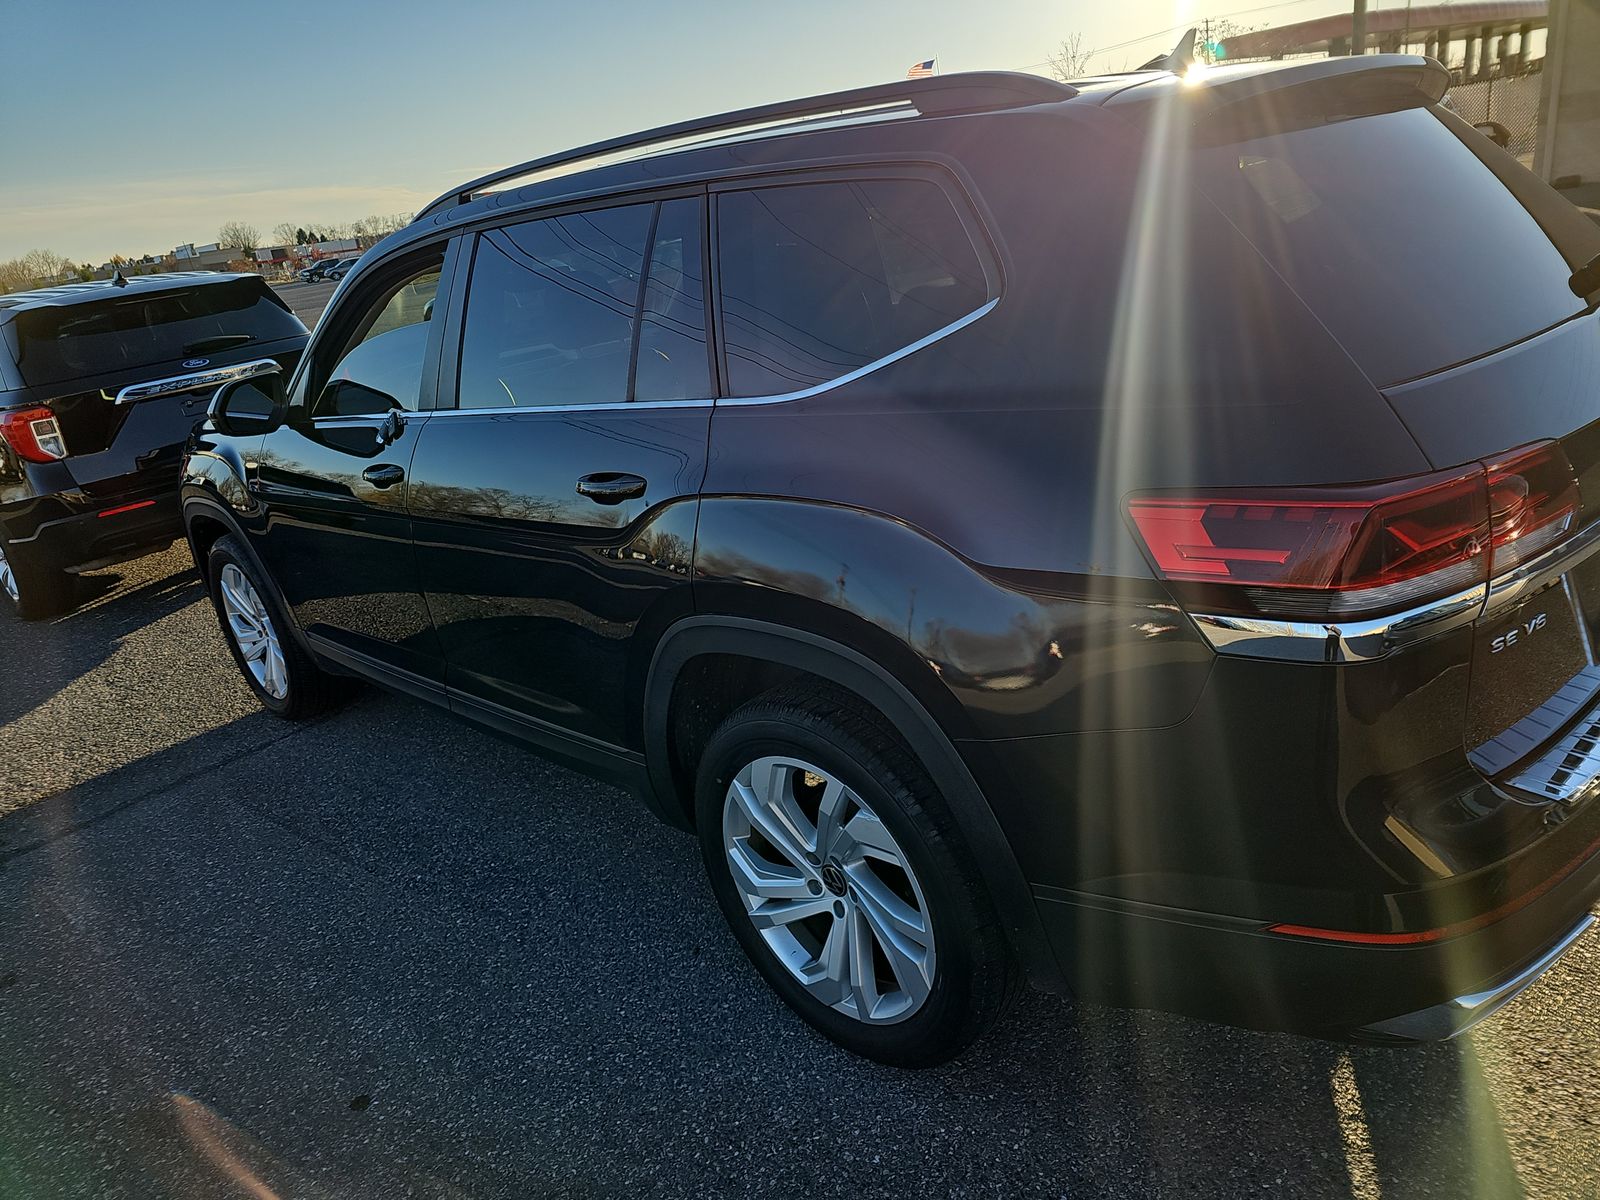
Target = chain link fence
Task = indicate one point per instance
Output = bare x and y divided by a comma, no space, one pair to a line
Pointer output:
1512,101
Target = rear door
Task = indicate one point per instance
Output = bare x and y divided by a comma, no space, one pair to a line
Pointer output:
1445,269
555,491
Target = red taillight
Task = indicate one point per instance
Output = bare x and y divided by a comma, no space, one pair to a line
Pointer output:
34,434
1337,552
1533,499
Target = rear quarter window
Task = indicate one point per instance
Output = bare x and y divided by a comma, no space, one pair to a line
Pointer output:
1399,236
818,280
142,329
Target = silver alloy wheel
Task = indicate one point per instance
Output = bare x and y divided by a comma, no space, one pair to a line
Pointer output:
253,633
8,578
830,891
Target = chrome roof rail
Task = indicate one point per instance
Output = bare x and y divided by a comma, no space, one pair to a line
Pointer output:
975,91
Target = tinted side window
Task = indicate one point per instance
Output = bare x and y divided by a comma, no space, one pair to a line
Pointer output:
550,313
672,362
381,366
819,279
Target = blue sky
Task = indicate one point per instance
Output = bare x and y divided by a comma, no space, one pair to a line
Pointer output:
135,125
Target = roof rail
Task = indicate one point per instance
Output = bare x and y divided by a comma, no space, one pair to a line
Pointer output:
973,91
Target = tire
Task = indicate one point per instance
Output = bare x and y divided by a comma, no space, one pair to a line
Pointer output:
281,674
32,589
952,975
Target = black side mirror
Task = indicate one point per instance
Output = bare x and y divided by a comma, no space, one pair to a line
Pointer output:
1495,132
253,405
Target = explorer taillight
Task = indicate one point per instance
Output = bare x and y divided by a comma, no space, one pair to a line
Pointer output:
34,434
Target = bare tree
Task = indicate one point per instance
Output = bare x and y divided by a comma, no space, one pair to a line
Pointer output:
236,235
285,234
1071,61
33,268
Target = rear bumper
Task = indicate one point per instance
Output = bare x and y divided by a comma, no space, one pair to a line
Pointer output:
1460,1013
1243,973
73,537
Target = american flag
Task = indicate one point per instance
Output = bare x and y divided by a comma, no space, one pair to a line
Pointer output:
921,69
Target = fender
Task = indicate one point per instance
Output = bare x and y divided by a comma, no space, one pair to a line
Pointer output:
197,503
839,664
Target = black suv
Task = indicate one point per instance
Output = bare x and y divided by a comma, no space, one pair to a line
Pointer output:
1085,534
100,386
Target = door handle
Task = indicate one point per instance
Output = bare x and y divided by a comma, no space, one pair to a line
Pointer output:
384,475
611,487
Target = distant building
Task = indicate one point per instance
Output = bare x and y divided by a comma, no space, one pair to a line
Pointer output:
210,257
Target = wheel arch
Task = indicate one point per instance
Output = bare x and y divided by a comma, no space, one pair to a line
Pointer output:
697,638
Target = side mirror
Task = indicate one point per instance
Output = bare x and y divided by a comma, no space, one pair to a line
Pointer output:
253,405
1495,132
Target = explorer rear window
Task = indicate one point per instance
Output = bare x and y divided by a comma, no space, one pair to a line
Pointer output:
1410,247
142,329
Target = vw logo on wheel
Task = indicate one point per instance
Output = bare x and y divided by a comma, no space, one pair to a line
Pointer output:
197,362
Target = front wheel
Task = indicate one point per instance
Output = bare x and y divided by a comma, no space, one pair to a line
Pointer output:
279,672
839,869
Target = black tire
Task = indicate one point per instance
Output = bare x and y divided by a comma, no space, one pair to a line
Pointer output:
310,689
42,590
975,977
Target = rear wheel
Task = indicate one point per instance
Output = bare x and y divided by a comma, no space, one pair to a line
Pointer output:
839,869
30,588
279,672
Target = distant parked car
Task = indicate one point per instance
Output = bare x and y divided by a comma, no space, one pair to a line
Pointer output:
100,385
339,269
320,268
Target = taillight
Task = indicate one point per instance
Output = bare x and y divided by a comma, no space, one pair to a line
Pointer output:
1341,552
34,434
1533,500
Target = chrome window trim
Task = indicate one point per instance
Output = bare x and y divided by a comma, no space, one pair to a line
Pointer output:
906,351
529,409
921,343
171,386
1363,641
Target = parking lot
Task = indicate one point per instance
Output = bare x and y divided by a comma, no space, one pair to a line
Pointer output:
384,954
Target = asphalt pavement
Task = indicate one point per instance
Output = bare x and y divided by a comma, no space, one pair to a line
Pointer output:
307,299
384,954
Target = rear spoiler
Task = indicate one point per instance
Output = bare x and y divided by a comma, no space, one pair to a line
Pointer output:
1330,86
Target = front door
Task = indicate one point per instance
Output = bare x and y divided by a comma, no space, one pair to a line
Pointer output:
338,539
554,492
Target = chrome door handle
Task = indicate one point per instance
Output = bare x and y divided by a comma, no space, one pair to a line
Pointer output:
384,475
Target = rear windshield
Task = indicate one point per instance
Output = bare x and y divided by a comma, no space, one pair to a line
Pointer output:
141,330
1401,238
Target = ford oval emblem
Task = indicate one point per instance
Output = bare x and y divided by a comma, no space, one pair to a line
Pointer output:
197,362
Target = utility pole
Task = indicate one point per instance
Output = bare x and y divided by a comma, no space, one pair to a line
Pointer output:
1358,30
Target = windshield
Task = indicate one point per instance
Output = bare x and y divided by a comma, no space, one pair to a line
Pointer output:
139,330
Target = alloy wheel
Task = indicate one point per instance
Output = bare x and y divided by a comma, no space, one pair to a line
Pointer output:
8,578
829,889
252,631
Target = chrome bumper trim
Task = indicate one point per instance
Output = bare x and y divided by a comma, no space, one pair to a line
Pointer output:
1454,1017
1569,771
171,386
1363,641
1340,641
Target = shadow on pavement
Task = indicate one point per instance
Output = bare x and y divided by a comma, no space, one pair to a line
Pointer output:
390,955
